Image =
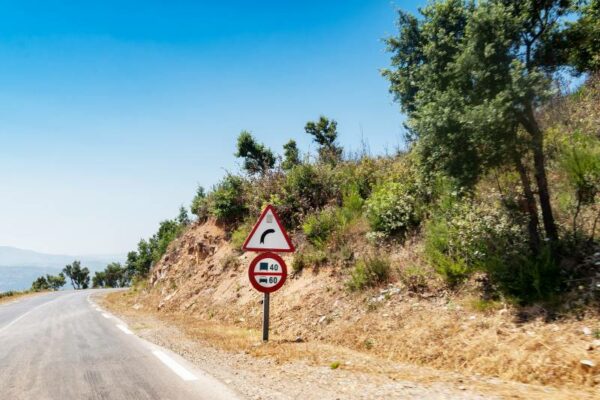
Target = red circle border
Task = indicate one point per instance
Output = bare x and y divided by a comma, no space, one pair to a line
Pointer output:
283,275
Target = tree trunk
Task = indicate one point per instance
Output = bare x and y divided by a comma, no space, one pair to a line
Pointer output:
533,224
531,125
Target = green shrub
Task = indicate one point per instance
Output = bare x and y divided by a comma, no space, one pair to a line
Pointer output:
200,206
239,235
368,272
393,209
471,235
227,202
309,257
305,189
319,226
581,161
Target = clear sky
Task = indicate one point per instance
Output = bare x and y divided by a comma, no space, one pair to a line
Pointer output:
112,112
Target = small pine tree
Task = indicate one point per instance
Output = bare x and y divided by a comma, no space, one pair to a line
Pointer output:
291,155
324,133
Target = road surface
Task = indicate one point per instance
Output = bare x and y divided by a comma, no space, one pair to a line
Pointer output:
61,346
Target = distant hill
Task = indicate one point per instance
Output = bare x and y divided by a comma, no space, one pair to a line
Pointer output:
14,257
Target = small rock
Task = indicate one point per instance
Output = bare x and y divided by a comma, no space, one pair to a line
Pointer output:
588,363
136,306
586,331
322,319
462,388
299,339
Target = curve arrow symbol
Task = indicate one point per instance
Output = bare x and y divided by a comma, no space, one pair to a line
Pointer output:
264,234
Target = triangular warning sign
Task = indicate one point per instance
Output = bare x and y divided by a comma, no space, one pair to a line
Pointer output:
268,234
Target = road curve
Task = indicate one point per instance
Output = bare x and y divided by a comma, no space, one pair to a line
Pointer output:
60,346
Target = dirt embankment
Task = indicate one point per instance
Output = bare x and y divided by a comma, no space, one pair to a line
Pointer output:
201,281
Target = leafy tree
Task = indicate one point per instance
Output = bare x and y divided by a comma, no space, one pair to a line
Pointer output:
324,132
55,282
291,155
49,282
40,284
115,276
80,277
98,279
582,39
258,159
470,77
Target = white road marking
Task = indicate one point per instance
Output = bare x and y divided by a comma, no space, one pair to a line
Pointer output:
105,315
175,367
124,329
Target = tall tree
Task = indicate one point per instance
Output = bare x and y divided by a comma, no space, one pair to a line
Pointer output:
471,76
258,159
80,277
324,133
291,155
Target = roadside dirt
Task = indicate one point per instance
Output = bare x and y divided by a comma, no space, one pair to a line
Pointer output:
284,369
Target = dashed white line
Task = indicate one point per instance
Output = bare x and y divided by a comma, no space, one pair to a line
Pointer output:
125,329
174,366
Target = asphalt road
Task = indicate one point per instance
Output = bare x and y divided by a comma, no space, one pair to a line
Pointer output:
61,346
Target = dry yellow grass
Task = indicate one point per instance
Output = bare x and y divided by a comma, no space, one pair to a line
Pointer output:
16,296
235,339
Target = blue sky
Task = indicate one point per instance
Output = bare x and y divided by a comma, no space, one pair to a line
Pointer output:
112,112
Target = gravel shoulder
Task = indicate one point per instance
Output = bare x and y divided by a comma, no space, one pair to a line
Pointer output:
302,371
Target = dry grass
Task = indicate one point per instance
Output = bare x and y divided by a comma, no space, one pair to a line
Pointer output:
235,339
4,298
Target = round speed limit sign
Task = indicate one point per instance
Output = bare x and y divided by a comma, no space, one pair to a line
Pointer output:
267,272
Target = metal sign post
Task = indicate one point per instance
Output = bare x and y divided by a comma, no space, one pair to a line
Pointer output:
266,317
268,272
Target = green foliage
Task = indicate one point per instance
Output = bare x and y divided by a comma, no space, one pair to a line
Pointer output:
80,277
291,155
183,218
581,41
55,282
227,202
168,231
581,161
309,257
40,284
239,235
324,133
306,188
393,209
258,159
200,207
114,276
319,226
334,365
368,272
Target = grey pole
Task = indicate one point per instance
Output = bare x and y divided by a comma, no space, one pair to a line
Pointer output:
266,318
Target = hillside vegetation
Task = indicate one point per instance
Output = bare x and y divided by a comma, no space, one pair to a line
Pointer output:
474,248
